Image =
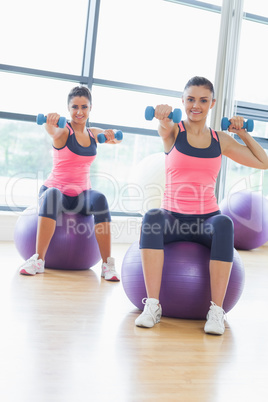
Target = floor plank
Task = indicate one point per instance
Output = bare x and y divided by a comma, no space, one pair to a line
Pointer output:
70,336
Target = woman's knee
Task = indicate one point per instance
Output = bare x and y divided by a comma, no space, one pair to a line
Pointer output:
98,205
153,222
154,216
100,202
223,240
50,203
224,224
152,229
52,193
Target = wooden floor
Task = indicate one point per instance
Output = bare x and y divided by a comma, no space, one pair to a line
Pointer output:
70,337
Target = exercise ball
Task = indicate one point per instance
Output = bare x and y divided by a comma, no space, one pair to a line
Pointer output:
249,213
73,245
185,289
146,183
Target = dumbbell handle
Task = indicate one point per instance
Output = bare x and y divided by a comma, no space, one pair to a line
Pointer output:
118,136
170,116
248,125
175,115
41,119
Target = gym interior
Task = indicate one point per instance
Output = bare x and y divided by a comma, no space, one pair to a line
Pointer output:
68,335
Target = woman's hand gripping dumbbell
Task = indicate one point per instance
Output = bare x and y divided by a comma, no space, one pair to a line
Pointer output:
175,115
41,119
118,135
248,125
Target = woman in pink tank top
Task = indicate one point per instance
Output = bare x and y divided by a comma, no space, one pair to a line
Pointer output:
68,187
193,160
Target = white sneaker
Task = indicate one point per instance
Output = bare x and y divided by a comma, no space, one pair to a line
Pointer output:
108,271
151,314
33,266
215,320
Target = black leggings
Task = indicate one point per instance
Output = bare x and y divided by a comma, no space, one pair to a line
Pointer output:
213,230
52,202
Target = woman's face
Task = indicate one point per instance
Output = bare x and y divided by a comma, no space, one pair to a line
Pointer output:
79,108
198,101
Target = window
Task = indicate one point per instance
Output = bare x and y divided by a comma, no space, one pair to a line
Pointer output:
155,43
140,56
123,107
33,95
25,160
251,93
134,66
252,87
48,36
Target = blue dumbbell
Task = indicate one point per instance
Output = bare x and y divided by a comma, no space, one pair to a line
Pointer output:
118,136
248,125
41,119
175,115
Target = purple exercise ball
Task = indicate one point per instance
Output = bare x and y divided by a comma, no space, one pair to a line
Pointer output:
185,290
72,247
249,213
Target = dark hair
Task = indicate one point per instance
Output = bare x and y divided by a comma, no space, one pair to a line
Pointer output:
200,81
80,91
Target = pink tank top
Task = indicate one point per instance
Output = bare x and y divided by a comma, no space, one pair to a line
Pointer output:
191,175
71,165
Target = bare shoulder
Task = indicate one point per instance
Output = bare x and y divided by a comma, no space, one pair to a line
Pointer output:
60,137
169,140
225,140
95,131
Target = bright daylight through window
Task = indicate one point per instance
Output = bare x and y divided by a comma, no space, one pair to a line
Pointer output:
136,59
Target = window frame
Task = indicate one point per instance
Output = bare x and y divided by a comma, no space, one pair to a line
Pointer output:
245,109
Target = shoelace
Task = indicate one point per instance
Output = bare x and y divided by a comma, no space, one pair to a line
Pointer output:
32,259
144,300
216,314
108,267
147,309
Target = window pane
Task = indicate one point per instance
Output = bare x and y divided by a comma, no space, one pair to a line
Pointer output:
251,81
258,7
260,129
32,95
215,2
244,178
25,161
251,86
113,169
47,36
127,108
155,43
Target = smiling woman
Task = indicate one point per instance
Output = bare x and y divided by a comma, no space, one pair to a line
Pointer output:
68,187
189,210
124,73
39,61
197,106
